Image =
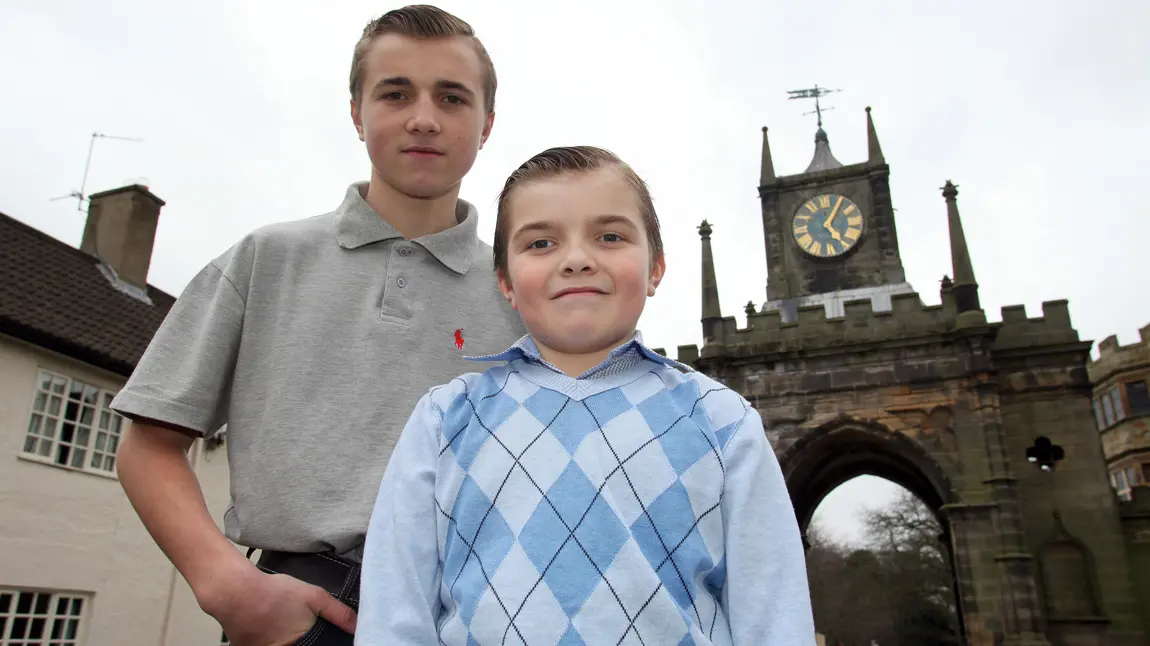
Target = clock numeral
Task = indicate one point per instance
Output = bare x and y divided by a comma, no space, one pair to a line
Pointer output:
817,249
802,219
825,201
801,229
811,207
852,234
850,209
855,221
805,242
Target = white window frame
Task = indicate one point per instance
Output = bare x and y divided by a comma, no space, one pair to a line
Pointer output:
60,617
70,425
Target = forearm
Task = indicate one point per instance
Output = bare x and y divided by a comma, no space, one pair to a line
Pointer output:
159,482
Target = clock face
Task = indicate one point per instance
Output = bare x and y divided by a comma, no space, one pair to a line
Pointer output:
827,225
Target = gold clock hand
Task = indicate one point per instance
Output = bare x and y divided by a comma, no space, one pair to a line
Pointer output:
834,212
830,218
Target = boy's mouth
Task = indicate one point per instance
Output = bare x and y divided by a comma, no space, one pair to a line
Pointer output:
422,151
577,290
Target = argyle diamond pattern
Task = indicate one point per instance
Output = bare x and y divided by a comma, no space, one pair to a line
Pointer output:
568,521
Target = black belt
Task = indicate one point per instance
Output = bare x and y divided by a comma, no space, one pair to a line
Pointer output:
340,577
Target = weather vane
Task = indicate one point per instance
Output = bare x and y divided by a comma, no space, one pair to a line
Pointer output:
813,93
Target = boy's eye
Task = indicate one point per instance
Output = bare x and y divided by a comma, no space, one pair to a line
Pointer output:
451,98
392,96
612,237
538,244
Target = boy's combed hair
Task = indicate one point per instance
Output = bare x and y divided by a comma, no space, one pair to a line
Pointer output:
554,162
420,21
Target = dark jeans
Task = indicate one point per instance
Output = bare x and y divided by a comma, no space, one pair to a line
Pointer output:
338,576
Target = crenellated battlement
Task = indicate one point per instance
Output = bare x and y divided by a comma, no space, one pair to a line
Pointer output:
1017,330
813,329
1113,357
861,325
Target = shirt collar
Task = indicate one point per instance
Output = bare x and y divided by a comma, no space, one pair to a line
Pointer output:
358,225
526,349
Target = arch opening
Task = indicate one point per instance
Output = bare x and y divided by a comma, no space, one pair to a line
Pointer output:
906,555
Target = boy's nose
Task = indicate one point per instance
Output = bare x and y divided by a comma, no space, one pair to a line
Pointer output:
578,260
424,119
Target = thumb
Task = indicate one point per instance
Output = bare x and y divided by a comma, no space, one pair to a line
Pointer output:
331,609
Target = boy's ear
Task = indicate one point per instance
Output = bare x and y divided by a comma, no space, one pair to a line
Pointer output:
658,268
505,288
487,124
357,118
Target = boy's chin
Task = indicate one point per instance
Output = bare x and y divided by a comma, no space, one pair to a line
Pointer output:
573,339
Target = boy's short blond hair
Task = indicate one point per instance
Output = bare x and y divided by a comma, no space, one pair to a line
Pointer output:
554,162
420,21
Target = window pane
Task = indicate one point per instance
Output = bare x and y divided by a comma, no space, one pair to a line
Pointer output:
78,456
24,603
36,630
30,444
34,424
1121,480
58,384
1131,476
1108,410
87,414
41,402
1119,413
1098,416
1138,397
54,403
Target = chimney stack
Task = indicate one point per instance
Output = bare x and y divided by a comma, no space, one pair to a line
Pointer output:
121,230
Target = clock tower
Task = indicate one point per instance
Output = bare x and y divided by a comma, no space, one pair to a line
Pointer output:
830,231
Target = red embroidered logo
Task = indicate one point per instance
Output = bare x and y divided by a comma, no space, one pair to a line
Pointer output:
459,339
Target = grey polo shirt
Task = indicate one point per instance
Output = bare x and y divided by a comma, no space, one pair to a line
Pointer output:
312,341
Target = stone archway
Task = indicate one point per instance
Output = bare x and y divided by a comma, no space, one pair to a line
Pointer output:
845,447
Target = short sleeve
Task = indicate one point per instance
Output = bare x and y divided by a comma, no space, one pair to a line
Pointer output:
184,377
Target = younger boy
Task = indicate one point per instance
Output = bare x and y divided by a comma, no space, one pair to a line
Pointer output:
587,490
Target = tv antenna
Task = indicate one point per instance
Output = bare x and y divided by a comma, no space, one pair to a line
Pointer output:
813,93
80,196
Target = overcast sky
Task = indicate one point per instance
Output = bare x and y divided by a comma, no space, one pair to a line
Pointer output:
1039,111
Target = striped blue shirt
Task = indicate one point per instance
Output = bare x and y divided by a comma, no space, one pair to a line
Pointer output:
638,503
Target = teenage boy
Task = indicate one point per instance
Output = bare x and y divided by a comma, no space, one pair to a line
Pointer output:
587,490
313,339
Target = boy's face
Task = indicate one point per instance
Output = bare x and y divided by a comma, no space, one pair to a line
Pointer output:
421,112
578,265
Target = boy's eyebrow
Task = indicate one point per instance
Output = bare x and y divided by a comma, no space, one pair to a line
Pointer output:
545,225
441,84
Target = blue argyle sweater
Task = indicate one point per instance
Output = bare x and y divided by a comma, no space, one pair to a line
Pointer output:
639,503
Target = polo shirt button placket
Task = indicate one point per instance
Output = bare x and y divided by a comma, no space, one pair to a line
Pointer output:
395,305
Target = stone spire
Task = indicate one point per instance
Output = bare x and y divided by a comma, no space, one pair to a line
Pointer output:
711,314
874,150
965,286
767,170
823,159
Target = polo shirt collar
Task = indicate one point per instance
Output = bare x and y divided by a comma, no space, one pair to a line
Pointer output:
358,225
526,349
